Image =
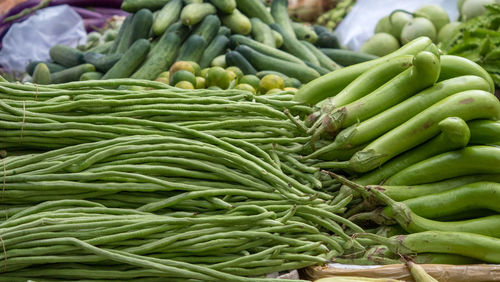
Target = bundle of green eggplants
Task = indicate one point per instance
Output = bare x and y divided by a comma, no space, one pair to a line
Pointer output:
160,183
417,133
247,35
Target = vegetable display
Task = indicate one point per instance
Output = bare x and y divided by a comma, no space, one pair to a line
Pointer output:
245,35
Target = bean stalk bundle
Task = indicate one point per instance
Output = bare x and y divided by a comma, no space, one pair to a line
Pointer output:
415,132
166,183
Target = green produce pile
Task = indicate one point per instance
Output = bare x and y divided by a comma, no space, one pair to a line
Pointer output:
418,132
246,35
180,184
401,27
130,179
331,18
479,41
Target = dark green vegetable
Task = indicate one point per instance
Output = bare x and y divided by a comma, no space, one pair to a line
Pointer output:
234,58
347,57
134,56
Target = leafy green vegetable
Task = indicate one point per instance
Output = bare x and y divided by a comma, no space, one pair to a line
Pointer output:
479,41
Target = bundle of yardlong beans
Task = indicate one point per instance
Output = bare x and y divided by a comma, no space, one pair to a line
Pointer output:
107,184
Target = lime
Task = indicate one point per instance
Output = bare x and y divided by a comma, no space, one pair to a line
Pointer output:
217,76
271,81
246,87
200,82
181,65
250,79
182,75
184,85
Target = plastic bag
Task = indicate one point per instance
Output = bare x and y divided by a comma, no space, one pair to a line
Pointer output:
359,24
32,39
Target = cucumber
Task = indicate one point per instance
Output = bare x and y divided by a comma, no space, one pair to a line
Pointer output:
124,42
192,49
319,29
328,40
304,32
193,13
41,75
141,25
279,11
133,6
293,46
319,69
278,39
167,16
30,68
71,74
66,56
180,29
208,28
234,58
91,76
91,57
236,40
214,49
225,6
264,62
347,57
237,22
160,58
262,32
104,63
102,48
134,56
324,60
255,9
187,2
224,30
124,28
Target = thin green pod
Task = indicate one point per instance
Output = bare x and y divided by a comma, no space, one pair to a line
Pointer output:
422,74
472,245
383,122
484,131
331,84
453,66
469,160
455,134
478,195
467,105
401,193
293,46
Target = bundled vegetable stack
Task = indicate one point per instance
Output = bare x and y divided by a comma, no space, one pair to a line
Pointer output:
243,34
424,126
164,183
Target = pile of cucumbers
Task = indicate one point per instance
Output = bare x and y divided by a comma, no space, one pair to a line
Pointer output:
247,35
425,127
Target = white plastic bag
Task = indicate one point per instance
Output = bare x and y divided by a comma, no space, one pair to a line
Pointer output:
359,24
31,39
